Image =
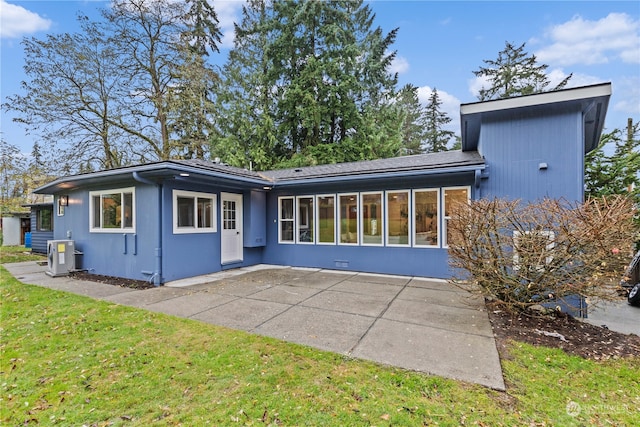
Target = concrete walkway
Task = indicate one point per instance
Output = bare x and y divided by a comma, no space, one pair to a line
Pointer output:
419,324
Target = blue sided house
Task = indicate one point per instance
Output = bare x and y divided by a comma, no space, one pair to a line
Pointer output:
180,218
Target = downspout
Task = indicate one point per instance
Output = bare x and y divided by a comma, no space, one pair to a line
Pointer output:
157,272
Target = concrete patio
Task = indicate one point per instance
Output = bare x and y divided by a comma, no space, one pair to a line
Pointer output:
420,324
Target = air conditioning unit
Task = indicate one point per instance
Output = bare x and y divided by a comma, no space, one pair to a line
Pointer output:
60,257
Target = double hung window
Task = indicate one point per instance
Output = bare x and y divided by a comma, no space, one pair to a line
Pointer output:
286,219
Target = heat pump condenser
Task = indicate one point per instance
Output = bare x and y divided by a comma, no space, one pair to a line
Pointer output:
60,257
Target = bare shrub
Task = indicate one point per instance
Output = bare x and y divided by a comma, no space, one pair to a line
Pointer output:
523,254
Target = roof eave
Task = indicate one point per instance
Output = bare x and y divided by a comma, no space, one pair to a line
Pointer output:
162,170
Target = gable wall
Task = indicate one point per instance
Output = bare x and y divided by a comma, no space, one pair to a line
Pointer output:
515,147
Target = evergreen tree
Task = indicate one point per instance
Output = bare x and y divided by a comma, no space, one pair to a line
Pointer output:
310,80
247,96
514,73
437,138
414,126
618,173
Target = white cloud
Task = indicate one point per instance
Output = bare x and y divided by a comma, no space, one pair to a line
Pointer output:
580,41
477,83
627,94
228,12
399,65
450,105
16,21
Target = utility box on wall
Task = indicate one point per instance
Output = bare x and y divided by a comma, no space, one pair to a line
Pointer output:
60,257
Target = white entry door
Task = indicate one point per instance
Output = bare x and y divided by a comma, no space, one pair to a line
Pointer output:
231,238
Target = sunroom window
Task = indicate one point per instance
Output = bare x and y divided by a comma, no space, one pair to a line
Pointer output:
326,206
371,218
305,228
398,219
348,219
453,196
425,211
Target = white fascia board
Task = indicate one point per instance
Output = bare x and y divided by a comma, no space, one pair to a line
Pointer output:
564,95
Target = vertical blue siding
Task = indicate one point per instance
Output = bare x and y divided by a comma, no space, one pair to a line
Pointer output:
39,238
515,147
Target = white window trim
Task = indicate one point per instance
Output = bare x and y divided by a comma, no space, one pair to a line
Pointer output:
381,215
195,228
94,229
280,220
439,212
60,209
445,218
386,219
317,224
339,218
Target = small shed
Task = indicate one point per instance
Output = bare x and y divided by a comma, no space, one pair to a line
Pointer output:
14,226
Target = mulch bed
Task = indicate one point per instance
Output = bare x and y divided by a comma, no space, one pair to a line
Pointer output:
110,280
561,331
555,330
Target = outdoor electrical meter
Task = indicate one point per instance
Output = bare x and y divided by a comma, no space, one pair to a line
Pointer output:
60,257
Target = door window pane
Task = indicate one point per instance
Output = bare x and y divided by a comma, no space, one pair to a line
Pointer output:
371,214
326,219
229,215
398,218
349,218
425,217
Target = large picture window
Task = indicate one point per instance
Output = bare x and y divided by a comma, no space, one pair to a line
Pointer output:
326,206
371,218
398,218
425,217
286,219
306,213
348,219
193,212
112,210
453,196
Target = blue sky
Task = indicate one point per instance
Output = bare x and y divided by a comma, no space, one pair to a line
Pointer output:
439,45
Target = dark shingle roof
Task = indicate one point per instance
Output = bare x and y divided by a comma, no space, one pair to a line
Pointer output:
441,160
219,167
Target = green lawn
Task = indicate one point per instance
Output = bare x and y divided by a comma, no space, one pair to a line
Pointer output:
70,360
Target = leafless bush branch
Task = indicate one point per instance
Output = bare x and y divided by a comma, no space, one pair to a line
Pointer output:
525,254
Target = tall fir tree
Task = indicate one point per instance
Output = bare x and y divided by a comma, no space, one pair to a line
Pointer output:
514,73
413,120
311,80
437,137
